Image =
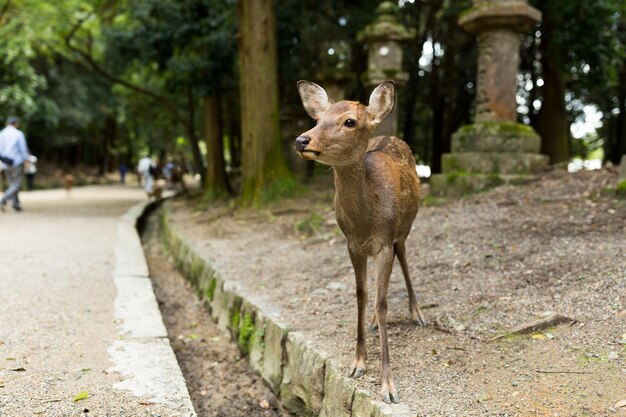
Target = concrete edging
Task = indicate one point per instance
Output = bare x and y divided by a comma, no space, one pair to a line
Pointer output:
306,381
142,352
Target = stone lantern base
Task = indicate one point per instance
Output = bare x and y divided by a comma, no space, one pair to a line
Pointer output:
488,154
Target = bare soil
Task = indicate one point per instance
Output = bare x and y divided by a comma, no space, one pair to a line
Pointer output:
219,380
484,265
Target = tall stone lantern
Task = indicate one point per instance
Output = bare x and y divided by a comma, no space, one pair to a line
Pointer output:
384,37
495,149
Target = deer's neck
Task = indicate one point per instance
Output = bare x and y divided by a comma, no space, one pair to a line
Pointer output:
351,191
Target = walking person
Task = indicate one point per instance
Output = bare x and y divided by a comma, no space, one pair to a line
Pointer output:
30,169
13,145
145,168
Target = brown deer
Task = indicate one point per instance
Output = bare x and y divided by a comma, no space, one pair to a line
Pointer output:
376,200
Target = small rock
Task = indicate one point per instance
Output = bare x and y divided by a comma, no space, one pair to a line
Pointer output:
265,404
622,314
515,383
336,285
613,356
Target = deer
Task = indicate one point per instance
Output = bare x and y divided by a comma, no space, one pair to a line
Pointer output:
376,201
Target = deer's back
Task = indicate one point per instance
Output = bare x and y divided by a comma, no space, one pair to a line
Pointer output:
390,168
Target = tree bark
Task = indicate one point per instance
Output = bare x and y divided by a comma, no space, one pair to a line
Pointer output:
620,134
193,137
264,170
438,108
552,118
216,181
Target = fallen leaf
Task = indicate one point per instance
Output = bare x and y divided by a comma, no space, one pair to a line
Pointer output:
265,404
620,404
10,359
193,336
538,336
19,370
81,396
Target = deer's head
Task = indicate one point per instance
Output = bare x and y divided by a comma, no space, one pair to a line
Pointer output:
343,129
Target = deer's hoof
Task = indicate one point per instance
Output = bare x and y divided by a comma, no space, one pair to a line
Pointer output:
419,322
357,372
372,327
418,317
391,397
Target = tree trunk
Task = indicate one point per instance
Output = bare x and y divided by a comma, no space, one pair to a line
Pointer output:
265,173
438,106
620,134
216,182
193,138
234,133
552,121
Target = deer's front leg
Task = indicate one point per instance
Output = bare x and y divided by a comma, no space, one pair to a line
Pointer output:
359,263
383,262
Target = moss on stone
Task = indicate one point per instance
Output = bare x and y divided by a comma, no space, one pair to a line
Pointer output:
234,320
391,72
498,128
246,333
210,292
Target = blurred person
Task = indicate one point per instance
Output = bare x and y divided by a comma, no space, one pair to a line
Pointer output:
30,169
123,169
145,168
13,146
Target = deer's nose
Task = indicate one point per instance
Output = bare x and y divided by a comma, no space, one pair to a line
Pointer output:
302,142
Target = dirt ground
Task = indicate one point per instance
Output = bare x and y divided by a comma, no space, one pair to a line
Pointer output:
484,265
219,380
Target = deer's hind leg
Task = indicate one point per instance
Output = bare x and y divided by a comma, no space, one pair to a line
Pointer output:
383,262
416,314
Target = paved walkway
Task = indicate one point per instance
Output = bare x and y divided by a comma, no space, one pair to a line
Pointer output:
77,312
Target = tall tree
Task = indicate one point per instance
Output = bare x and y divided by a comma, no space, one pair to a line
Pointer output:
575,54
264,170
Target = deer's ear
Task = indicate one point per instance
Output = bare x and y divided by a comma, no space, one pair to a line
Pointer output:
314,98
382,101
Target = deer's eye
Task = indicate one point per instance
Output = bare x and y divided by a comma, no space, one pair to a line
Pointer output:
349,123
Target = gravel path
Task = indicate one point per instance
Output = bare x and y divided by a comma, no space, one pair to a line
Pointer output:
56,306
485,264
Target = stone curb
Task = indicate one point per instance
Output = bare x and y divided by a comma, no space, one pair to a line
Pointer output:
306,381
142,353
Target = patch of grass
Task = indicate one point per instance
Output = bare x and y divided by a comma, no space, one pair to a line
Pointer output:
620,190
310,225
431,200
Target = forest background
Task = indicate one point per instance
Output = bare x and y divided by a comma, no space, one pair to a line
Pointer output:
99,83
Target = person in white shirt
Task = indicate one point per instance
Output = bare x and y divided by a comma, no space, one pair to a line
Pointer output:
143,168
30,169
13,146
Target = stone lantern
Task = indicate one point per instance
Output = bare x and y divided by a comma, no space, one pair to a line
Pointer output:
384,37
334,74
495,149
